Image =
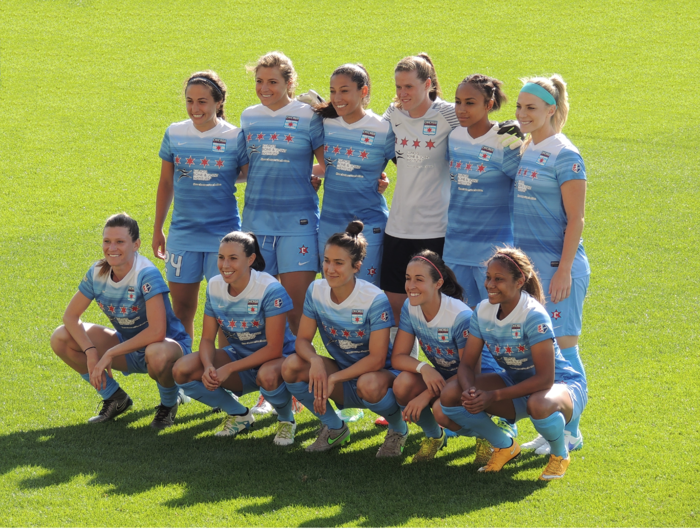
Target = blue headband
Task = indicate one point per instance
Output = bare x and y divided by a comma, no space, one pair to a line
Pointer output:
537,90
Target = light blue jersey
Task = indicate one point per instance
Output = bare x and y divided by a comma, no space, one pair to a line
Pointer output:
242,317
355,155
442,337
346,327
124,303
479,216
206,168
510,340
279,145
538,210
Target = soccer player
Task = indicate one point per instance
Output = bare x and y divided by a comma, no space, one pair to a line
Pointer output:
353,317
280,138
481,173
358,146
434,313
538,381
146,338
199,168
548,212
250,307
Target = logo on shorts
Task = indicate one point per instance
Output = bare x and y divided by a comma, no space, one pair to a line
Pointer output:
358,316
576,168
303,222
543,157
465,334
146,287
303,250
131,293
372,272
253,306
485,153
430,128
542,328
218,145
367,137
556,314
516,331
278,303
292,122
385,316
443,335
377,230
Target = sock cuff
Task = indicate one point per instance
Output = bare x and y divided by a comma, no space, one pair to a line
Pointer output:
273,393
297,387
555,417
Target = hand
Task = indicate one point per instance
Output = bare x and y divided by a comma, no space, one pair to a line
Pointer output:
158,244
433,380
412,411
222,374
315,183
97,375
560,285
477,400
320,404
383,183
318,383
510,134
210,378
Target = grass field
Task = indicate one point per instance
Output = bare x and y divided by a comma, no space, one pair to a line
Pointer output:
87,90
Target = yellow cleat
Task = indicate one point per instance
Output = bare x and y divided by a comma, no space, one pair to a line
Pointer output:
483,452
429,447
556,467
500,457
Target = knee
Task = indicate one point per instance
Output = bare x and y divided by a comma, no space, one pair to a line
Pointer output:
372,387
451,394
181,374
58,340
539,407
291,368
440,416
157,356
402,388
269,378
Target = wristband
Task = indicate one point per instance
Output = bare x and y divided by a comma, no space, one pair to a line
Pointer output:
420,366
86,350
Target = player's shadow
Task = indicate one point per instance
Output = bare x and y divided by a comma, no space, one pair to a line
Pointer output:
130,458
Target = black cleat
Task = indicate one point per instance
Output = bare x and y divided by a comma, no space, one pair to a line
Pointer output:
165,417
115,405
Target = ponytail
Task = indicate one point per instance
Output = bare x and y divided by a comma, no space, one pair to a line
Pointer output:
250,246
439,270
352,241
556,86
519,265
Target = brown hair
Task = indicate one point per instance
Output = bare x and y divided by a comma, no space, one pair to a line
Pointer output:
250,245
556,86
120,220
439,270
358,75
489,87
213,82
519,265
277,59
351,240
422,64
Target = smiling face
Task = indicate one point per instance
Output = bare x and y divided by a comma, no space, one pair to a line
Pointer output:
201,107
470,105
532,113
118,248
234,265
271,88
337,266
501,285
412,93
346,98
420,286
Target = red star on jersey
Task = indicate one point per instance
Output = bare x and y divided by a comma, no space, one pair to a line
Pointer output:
111,308
481,168
360,334
232,323
348,152
420,342
325,148
509,349
336,150
244,324
525,172
274,136
135,308
430,144
346,334
450,351
357,319
521,348
101,305
520,171
430,129
363,155
451,162
404,142
289,138
533,174
256,323
204,162
260,136
468,167
177,159
372,272
556,314
498,349
190,161
428,349
303,250
416,144
123,310
219,321
459,165
291,124
250,137
333,331
437,350
219,163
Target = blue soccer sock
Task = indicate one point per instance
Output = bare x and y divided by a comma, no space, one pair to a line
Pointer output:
219,398
388,408
428,423
571,354
301,391
281,400
552,429
479,424
112,386
168,396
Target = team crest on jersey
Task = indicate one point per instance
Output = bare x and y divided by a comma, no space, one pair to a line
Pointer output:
543,157
292,122
278,303
384,316
576,168
253,306
218,145
443,335
516,331
542,328
485,153
131,292
367,137
358,316
430,128
146,287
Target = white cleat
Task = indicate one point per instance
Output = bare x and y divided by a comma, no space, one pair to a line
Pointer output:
262,407
572,444
536,443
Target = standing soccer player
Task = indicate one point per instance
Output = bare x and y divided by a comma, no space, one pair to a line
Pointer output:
200,165
549,204
358,146
147,337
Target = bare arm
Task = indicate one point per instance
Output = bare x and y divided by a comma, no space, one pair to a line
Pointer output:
573,195
164,198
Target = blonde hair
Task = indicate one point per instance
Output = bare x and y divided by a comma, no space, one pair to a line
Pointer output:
556,86
277,59
422,64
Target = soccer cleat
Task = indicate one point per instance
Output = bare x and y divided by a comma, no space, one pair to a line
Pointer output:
182,398
328,439
262,407
381,421
285,433
483,452
535,443
556,468
393,444
165,416
509,428
572,444
430,446
235,424
500,457
115,405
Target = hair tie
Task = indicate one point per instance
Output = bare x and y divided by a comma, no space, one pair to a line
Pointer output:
431,263
207,81
512,261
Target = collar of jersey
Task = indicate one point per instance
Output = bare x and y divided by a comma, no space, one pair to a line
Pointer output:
253,279
544,143
508,319
360,123
126,280
282,110
347,301
481,139
440,312
211,132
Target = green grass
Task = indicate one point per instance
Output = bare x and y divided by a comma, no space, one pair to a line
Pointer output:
87,90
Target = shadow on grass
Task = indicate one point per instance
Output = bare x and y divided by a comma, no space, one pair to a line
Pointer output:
364,490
